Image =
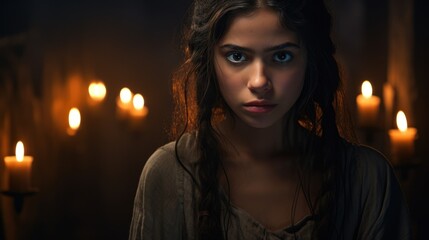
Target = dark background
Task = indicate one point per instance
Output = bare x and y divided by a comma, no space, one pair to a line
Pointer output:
51,50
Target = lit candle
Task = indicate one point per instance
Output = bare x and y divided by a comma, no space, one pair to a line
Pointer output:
74,121
368,106
124,103
139,110
402,139
97,91
18,168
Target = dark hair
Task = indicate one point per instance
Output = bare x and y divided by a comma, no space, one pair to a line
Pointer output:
199,105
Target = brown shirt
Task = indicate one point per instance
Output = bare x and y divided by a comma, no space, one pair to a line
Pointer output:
165,205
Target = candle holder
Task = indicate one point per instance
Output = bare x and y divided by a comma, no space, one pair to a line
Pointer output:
18,197
403,167
369,133
403,171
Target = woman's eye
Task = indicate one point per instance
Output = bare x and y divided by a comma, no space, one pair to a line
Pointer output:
282,57
236,57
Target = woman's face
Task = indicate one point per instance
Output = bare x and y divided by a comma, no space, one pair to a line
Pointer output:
260,67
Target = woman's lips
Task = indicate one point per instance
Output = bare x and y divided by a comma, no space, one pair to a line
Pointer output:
259,106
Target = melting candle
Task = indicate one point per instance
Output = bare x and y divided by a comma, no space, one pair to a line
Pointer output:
124,102
139,110
368,106
74,121
97,91
18,170
402,140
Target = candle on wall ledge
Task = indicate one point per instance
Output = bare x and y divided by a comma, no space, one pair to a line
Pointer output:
368,106
139,110
74,121
18,168
124,102
402,140
97,91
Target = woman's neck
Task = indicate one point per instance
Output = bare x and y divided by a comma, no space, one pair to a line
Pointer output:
252,143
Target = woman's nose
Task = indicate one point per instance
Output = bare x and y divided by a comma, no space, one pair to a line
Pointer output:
259,81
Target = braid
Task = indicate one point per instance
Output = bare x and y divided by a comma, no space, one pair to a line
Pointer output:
332,182
210,204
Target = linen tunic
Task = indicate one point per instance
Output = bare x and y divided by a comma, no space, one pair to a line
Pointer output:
165,205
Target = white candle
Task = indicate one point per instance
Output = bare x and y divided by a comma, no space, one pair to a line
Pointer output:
124,102
402,140
368,106
74,121
97,91
18,168
139,110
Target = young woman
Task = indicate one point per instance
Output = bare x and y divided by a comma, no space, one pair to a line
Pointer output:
264,152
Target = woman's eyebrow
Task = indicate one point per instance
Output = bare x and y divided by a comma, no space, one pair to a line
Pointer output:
235,47
283,46
274,48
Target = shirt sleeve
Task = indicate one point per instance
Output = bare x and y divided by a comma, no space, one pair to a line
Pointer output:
384,212
158,208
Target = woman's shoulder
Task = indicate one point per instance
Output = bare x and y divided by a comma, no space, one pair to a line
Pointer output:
368,167
164,158
367,158
160,197
376,196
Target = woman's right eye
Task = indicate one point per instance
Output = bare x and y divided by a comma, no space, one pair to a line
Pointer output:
236,57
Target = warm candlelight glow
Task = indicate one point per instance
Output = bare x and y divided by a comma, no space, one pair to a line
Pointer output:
19,151
97,91
124,103
125,95
401,121
139,110
74,118
402,140
18,170
368,107
366,89
138,101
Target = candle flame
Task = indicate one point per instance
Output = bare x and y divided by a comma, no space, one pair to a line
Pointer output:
401,121
97,90
366,89
125,95
138,101
74,118
19,151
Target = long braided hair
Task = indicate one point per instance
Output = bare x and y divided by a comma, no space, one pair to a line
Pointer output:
198,101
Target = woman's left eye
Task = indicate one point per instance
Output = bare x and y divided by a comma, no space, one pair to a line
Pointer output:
282,57
236,57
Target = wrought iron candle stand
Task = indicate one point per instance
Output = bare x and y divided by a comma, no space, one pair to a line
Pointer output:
403,167
371,135
18,197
